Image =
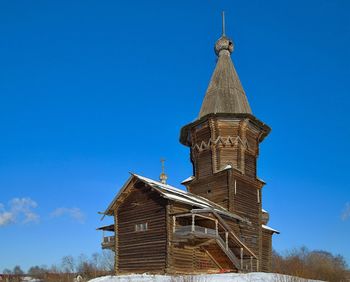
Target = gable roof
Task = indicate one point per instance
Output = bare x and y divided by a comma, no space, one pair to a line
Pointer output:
174,194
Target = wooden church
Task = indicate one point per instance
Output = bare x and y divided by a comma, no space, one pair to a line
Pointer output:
218,224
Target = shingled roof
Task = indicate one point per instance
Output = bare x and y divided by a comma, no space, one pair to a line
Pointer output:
225,93
177,195
174,194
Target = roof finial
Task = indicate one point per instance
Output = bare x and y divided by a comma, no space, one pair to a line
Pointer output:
223,23
163,177
224,43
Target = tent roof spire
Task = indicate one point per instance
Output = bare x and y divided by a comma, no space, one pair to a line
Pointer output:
225,93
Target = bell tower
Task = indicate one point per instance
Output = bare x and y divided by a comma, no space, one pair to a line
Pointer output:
224,146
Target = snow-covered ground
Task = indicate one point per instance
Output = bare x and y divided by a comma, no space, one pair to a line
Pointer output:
228,277
29,279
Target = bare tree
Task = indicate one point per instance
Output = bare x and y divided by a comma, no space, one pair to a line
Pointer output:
54,269
17,270
68,264
107,261
38,272
319,265
7,271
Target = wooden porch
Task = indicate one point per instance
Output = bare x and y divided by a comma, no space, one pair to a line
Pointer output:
108,242
108,238
207,230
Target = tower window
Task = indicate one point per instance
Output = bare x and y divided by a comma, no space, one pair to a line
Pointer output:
141,227
209,191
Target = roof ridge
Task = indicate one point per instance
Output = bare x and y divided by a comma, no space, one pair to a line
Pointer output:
183,192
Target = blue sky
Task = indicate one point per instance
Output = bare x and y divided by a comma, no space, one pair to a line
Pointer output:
90,90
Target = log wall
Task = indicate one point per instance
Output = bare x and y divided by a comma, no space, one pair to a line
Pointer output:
266,250
234,142
247,204
141,251
218,142
185,258
214,188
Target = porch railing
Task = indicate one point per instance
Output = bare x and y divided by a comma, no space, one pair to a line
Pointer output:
245,257
108,242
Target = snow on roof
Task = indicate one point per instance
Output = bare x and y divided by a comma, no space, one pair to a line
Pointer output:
176,194
264,210
178,198
261,180
227,167
188,179
162,185
269,228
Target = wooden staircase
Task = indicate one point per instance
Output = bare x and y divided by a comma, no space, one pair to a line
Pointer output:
228,252
216,243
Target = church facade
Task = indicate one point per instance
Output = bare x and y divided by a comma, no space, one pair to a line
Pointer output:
218,224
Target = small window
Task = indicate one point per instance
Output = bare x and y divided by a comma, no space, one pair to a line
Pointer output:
141,227
254,240
209,191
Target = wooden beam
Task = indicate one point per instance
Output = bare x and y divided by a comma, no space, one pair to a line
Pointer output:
214,260
174,224
224,224
190,214
193,221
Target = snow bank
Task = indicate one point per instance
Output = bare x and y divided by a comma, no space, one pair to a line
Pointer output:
227,277
29,279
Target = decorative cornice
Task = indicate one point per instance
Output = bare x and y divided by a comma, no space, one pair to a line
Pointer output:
185,130
225,141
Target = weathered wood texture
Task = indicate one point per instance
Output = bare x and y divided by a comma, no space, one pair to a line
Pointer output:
247,204
266,250
224,145
216,143
116,244
186,258
158,250
142,251
214,188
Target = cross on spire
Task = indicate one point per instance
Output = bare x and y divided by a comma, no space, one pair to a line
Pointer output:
163,177
223,23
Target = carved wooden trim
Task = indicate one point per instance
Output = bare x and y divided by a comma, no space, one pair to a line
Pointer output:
225,141
243,129
116,243
214,160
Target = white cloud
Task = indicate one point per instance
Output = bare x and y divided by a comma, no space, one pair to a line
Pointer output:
74,213
6,218
31,217
19,210
346,212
